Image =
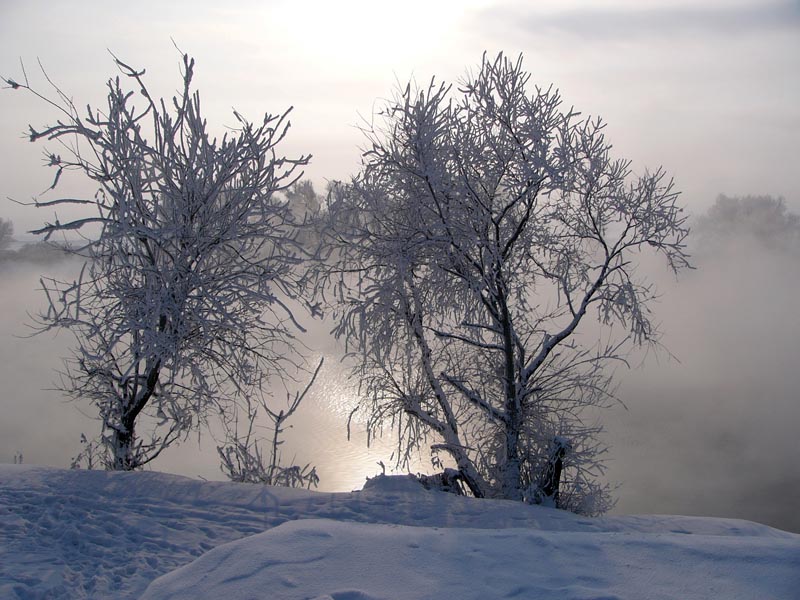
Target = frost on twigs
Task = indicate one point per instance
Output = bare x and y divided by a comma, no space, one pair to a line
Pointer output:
486,223
193,272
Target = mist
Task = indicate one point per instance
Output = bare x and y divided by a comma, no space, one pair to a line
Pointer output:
37,421
712,430
710,421
43,426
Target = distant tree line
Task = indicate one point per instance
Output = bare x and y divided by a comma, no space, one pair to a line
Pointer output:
765,219
31,252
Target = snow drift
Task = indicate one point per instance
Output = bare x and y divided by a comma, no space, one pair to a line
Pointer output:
90,534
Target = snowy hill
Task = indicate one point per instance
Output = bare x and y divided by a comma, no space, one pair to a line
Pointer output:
93,534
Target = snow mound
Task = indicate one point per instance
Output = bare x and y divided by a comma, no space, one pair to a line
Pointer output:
95,534
393,483
349,561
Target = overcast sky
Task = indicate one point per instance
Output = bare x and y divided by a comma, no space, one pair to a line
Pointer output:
710,90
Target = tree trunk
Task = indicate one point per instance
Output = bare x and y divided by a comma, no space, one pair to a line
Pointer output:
551,478
124,438
511,480
123,446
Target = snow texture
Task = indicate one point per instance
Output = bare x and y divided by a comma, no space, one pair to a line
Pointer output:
95,534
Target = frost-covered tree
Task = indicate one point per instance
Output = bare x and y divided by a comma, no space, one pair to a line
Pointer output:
6,233
192,270
487,222
306,205
764,218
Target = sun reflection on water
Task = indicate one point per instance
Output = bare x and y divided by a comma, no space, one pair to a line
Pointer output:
319,434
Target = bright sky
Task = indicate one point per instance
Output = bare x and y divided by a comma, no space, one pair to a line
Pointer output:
710,90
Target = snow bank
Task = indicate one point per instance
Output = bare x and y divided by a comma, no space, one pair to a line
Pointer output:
94,534
349,561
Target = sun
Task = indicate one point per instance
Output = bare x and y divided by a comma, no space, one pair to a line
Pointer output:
362,34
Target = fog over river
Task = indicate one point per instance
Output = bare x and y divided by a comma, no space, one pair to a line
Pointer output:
710,430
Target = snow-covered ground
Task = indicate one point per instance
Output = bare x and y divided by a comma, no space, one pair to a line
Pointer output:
92,534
